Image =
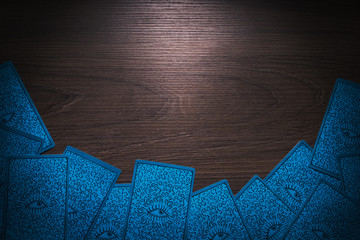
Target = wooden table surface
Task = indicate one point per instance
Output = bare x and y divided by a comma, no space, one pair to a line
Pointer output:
225,87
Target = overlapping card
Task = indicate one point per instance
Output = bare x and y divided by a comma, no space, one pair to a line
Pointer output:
340,130
213,214
17,110
350,175
293,180
311,194
266,215
90,183
36,197
111,220
13,142
160,196
327,214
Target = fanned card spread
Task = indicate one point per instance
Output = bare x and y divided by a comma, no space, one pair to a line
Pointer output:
213,214
90,182
310,194
36,197
110,222
13,142
340,130
17,110
159,201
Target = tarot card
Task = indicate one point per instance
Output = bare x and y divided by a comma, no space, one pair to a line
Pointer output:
17,110
90,182
110,222
293,180
265,214
159,201
350,175
36,197
13,142
213,214
340,130
327,214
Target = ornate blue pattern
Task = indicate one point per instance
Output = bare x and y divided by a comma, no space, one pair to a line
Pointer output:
340,130
159,202
265,214
327,214
350,175
213,214
16,107
90,181
110,223
13,142
293,180
36,198
73,196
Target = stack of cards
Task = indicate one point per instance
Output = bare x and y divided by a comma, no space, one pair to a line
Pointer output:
311,194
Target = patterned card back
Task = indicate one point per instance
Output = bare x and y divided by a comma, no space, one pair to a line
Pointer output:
340,130
159,201
350,175
16,107
13,142
265,214
90,182
213,214
36,197
110,223
327,214
293,180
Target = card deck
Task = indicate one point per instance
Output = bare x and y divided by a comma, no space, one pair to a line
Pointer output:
74,196
90,182
293,180
327,214
13,142
159,202
110,222
17,110
36,197
340,130
265,214
213,214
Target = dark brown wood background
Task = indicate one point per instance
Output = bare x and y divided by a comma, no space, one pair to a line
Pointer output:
222,86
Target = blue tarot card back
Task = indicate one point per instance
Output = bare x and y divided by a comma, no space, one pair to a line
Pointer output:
327,214
265,214
16,107
213,214
340,130
36,197
90,182
159,201
293,180
350,175
13,142
110,223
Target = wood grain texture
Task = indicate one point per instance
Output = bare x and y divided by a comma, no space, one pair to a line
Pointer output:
225,87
